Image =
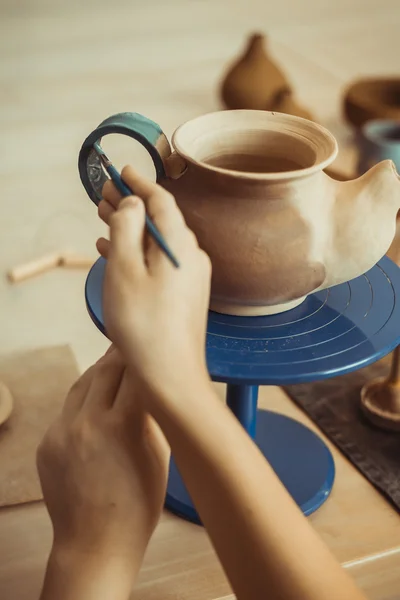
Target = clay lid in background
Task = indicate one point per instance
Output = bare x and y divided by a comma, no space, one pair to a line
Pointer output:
372,98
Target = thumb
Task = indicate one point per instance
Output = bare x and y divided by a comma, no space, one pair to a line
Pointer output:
127,232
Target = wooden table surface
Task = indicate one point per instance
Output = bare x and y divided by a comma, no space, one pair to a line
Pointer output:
67,65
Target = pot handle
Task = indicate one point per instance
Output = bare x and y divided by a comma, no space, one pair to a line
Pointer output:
134,125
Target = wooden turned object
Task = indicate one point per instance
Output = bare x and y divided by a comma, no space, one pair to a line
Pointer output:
6,403
380,399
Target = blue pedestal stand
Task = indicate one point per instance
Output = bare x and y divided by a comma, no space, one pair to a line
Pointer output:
331,333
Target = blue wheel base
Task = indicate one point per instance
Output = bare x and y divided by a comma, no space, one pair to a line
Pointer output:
331,333
298,456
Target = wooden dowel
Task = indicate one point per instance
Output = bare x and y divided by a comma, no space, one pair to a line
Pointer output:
33,268
46,263
76,261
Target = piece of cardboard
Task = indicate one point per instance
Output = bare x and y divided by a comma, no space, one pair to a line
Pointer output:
39,381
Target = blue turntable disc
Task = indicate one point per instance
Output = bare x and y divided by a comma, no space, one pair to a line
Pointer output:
332,332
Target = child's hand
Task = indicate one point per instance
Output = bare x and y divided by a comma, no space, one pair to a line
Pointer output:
154,313
103,468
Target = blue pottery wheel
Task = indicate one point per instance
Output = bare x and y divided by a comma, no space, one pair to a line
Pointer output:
331,333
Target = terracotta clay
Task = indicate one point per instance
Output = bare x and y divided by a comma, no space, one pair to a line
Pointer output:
380,399
6,403
254,79
256,82
373,98
274,224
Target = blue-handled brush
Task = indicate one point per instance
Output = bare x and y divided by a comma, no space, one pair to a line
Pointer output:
126,191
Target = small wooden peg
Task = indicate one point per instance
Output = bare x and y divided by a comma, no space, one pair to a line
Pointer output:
76,261
33,268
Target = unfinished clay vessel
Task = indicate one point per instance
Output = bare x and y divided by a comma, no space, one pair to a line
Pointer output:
372,98
254,79
251,186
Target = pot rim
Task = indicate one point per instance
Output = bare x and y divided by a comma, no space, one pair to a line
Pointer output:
313,135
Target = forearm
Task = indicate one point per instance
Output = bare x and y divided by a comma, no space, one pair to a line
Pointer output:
73,576
262,539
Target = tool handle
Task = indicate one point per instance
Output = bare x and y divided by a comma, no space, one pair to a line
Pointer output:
151,228
123,189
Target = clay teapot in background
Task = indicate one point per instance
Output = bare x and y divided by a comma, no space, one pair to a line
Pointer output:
255,82
251,186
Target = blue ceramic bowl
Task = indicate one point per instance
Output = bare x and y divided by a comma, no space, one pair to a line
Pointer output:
379,140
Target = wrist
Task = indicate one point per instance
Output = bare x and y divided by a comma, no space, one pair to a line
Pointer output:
182,390
74,573
182,385
187,410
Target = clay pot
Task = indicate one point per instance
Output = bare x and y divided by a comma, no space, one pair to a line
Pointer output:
254,79
251,186
252,193
380,399
369,99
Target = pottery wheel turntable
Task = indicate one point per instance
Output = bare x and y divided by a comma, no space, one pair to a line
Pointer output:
331,333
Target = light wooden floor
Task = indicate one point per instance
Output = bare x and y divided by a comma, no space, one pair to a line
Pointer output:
64,67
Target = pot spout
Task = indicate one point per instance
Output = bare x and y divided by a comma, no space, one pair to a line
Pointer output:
364,218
